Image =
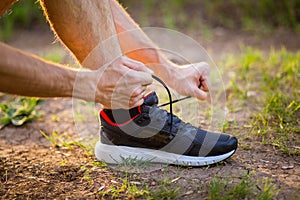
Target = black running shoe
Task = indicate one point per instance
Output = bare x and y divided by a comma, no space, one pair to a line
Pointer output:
151,134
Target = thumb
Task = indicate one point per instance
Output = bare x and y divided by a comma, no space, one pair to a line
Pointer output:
203,73
200,94
135,65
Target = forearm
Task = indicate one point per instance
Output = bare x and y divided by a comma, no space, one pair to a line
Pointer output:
136,44
25,74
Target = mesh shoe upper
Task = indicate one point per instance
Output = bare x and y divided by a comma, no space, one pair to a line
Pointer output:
148,126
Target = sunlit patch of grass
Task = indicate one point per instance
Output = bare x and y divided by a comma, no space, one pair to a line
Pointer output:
222,189
278,123
18,111
99,164
267,86
246,188
167,190
242,71
54,56
65,140
126,189
22,14
268,190
132,186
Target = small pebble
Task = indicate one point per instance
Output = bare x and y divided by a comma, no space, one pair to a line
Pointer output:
189,192
287,167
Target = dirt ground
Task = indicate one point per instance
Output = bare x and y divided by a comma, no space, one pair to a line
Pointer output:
31,168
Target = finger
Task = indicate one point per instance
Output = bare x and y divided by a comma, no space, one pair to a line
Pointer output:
139,91
137,98
200,94
134,100
143,78
203,71
135,65
204,66
136,103
204,85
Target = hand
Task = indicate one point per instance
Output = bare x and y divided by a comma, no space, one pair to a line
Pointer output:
121,84
191,80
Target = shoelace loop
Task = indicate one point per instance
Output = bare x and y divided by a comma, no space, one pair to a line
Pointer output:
170,100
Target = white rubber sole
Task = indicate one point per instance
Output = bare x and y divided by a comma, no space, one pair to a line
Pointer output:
118,154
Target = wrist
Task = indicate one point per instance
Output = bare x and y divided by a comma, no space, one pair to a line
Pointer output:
169,74
84,85
165,71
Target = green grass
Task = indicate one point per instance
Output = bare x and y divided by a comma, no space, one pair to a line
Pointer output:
261,17
168,189
257,16
22,14
267,86
125,188
278,123
54,56
18,111
65,140
245,188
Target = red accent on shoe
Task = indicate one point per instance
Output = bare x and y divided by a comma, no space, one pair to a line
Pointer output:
108,120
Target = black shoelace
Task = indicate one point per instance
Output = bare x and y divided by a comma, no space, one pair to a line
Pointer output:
170,99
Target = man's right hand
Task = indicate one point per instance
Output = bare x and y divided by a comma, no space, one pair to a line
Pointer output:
121,84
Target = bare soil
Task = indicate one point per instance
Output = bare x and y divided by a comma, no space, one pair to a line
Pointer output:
31,168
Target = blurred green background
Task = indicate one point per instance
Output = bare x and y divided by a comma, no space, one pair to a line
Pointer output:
185,15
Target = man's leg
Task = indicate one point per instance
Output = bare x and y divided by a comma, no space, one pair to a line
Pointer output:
82,25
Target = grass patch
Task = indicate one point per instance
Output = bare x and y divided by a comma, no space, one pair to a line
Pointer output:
278,123
267,86
132,186
54,56
22,14
220,189
166,189
67,141
261,17
126,189
246,188
253,16
18,111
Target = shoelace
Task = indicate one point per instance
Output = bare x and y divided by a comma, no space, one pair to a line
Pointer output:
170,99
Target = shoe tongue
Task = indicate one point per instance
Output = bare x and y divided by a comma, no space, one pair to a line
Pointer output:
151,99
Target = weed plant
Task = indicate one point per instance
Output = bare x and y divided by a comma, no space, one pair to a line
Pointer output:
18,111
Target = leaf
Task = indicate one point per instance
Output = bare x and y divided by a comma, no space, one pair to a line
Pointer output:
18,111
4,121
20,121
